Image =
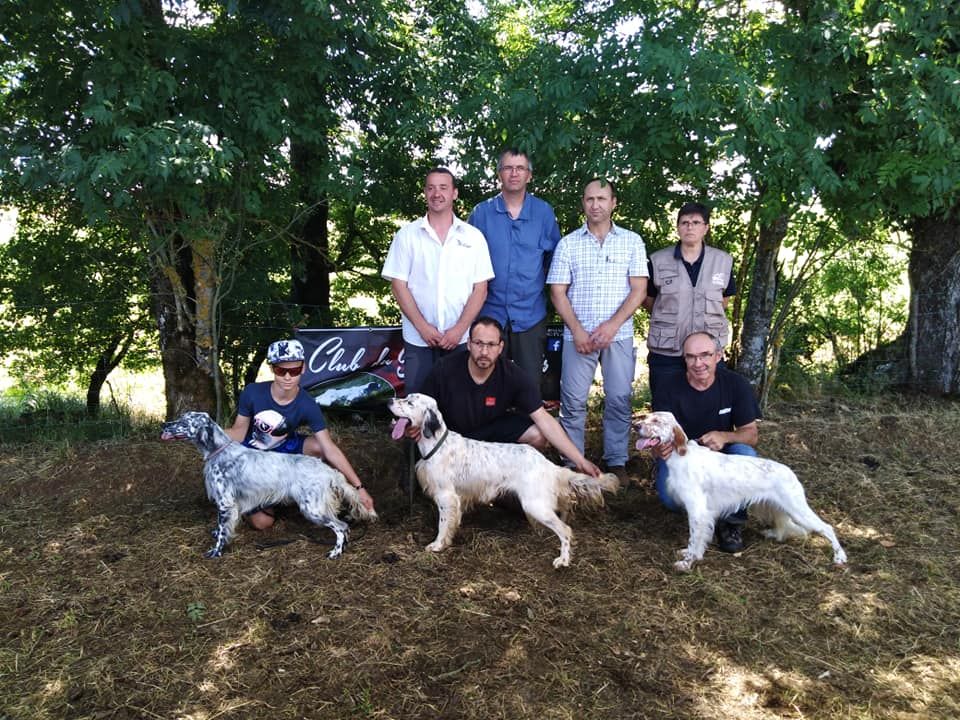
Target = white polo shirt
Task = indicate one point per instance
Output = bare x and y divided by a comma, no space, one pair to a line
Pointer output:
440,276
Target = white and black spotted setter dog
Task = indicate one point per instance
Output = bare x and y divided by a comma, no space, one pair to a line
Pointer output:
240,479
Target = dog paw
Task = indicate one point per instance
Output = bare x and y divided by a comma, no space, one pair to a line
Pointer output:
683,566
213,553
840,558
335,553
561,562
436,546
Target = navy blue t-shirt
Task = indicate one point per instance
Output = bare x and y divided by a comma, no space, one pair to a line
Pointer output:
726,405
466,406
272,424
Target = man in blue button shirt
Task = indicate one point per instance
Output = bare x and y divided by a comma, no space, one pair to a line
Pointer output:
521,232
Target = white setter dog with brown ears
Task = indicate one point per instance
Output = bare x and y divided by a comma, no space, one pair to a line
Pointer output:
710,485
457,472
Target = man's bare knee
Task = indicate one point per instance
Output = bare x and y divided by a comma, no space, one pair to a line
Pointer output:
260,520
312,448
534,437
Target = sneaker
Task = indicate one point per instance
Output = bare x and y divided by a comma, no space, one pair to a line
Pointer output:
621,472
729,537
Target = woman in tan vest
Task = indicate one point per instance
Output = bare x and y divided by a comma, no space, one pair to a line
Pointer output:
688,291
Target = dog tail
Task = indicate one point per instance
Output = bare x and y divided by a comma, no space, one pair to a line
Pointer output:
588,491
352,497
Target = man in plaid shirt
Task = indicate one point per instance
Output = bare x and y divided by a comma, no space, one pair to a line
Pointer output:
597,280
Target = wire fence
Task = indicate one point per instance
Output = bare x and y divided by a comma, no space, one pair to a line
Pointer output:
55,424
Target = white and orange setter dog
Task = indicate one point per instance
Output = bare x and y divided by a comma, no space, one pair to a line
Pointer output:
457,472
710,485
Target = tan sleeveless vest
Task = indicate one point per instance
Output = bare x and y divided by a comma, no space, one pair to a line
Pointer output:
681,308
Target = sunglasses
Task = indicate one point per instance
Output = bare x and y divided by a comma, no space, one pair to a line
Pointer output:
287,371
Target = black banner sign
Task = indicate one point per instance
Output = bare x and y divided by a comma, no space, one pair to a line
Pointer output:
362,367
352,367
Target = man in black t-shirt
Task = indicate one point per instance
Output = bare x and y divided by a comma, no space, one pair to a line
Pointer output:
486,397
717,408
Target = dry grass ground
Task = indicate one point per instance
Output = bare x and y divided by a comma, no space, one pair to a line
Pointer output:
109,611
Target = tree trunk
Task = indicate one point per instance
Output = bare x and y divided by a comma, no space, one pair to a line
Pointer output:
107,362
761,305
184,287
310,264
933,329
748,246
188,380
206,340
311,267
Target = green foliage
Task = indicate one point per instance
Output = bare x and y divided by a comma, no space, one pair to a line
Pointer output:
202,135
32,413
359,702
196,611
194,143
855,303
898,153
71,298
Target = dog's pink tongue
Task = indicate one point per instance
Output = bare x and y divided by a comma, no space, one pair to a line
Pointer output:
398,427
644,443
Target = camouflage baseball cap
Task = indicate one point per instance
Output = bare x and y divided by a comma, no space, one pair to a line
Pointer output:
284,351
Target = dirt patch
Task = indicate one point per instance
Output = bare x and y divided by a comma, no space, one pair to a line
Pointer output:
111,612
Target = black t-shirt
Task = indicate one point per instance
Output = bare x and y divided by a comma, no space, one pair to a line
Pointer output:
466,405
726,405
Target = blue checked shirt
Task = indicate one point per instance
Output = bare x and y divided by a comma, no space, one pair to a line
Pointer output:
598,275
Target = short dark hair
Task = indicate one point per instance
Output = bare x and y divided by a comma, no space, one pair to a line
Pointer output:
603,183
694,208
443,171
489,322
513,151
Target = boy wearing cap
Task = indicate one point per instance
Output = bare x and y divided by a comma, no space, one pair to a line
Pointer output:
269,413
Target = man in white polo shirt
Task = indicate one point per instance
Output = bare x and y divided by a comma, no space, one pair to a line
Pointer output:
438,267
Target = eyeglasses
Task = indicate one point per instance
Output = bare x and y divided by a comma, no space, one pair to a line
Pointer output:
513,169
480,345
287,371
691,223
702,357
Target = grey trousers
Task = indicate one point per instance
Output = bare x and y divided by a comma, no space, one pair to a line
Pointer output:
617,364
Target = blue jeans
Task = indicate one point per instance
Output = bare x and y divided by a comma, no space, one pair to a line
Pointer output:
660,481
576,376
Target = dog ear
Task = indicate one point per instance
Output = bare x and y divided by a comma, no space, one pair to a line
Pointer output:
205,437
431,424
679,440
